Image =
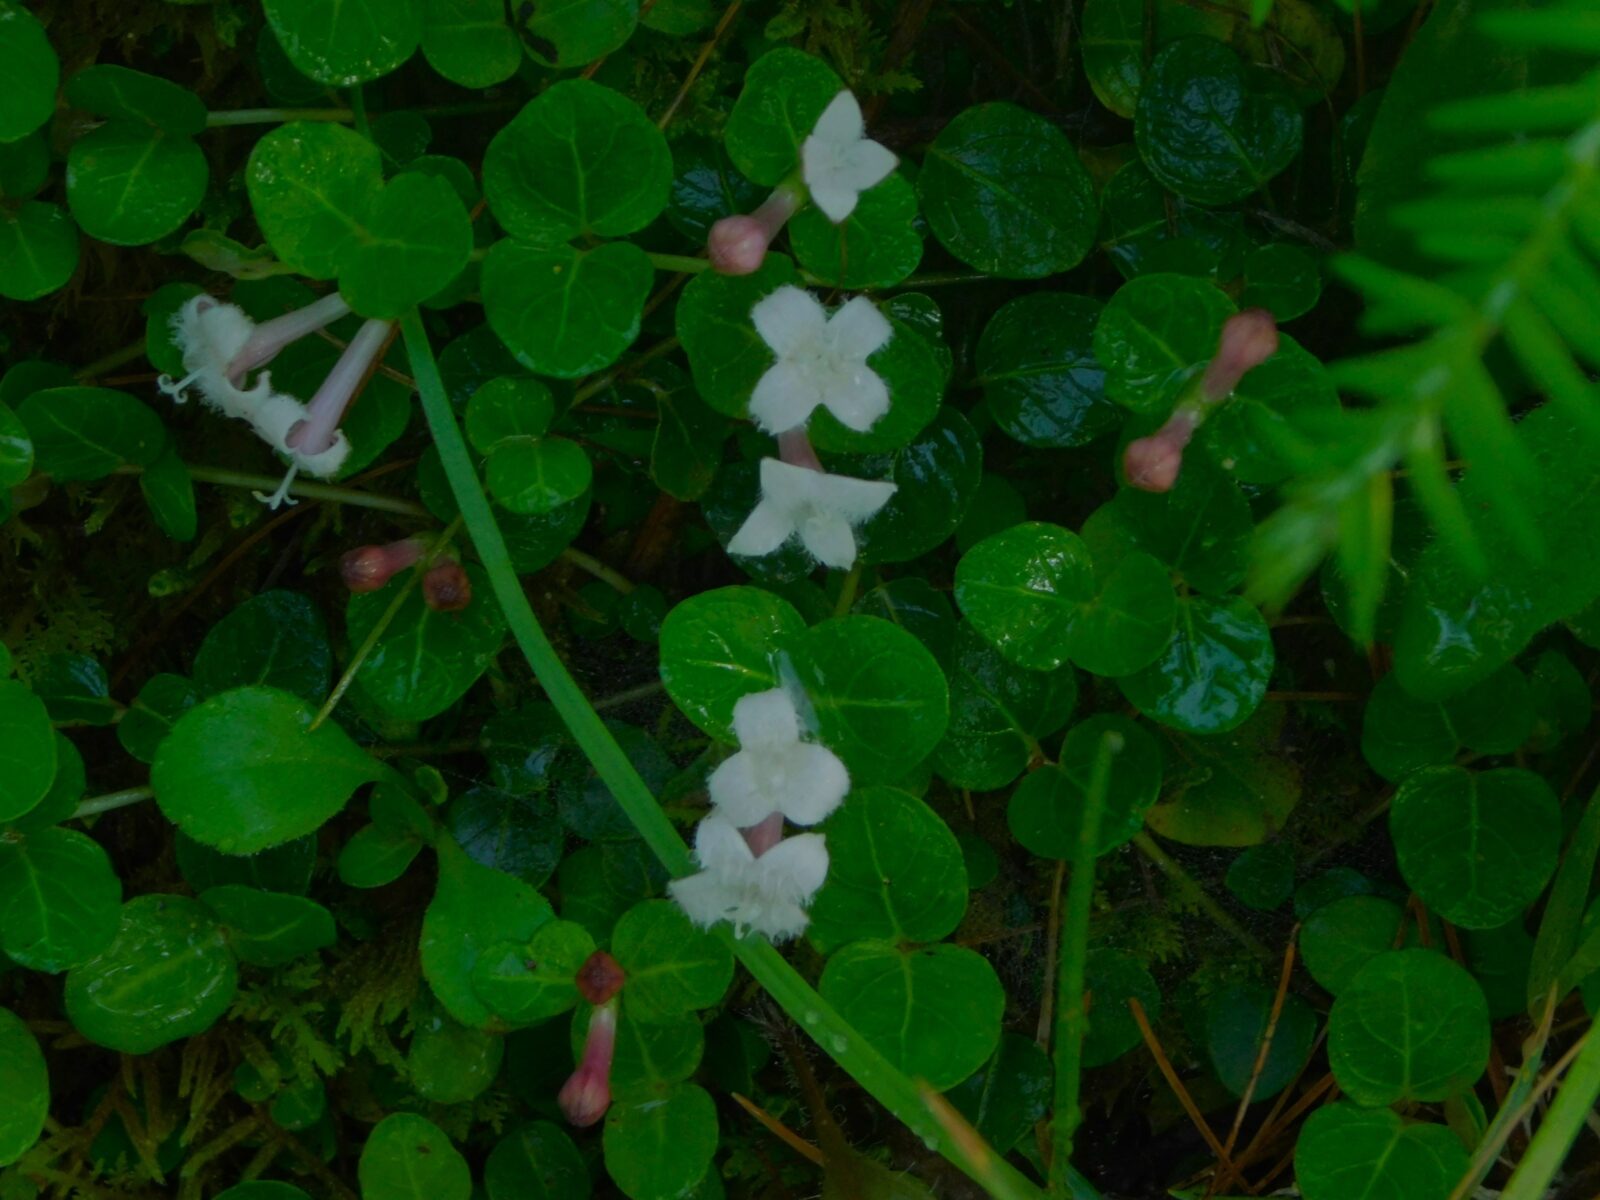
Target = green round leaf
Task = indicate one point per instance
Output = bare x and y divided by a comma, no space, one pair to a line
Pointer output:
1340,938
117,92
671,966
169,491
167,975
1003,189
1262,877
425,660
1021,589
1211,129
31,70
578,159
1114,42
243,770
1201,528
1236,1021
85,433
311,186
718,646
1047,807
895,872
566,312
1009,1095
569,33
16,449
1145,229
532,982
1156,334
538,475
347,43
1477,846
1111,978
24,1077
1129,620
408,1157
935,475
1345,1151
1040,377
269,929
1212,674
75,690
785,91
879,698
415,240
933,1011
507,409
659,1142
27,750
129,184
876,246
66,790
1411,1025
274,639
1234,789
1283,279
916,605
537,1161
24,167
664,1050
59,899
469,42
449,1063
514,834
38,250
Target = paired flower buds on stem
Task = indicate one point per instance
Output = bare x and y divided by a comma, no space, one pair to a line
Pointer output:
586,1095
1248,339
445,587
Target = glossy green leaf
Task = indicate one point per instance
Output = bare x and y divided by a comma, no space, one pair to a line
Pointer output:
469,41
1111,978
1129,620
373,858
474,910
1236,1022
1003,189
269,929
566,312
1411,1025
933,1011
1210,128
31,69
129,184
407,1157
449,1063
534,476
286,868
66,790
1345,1151
1212,674
311,186
25,1079
1234,789
1400,733
917,606
108,90
274,639
1145,229
1477,846
876,246
1340,938
1042,381
243,770
578,159
1156,334
59,899
1116,47
1201,528
895,872
671,966
168,974
27,749
169,491
425,660
24,167
659,1141
414,241
75,690
651,1053
1047,806
536,1161
347,43
1283,279
85,433
38,250
1021,589
569,33
687,448
1009,1094
526,983
515,834
16,449
785,91
718,646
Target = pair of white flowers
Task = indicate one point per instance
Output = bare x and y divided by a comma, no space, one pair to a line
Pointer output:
774,777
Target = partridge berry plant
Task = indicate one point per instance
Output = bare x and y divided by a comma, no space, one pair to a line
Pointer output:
853,600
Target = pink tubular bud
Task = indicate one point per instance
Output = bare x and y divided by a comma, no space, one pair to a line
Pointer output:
1248,340
586,1095
765,835
600,978
269,337
1152,463
368,568
794,448
446,588
738,245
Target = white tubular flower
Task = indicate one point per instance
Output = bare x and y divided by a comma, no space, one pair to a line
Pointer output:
211,334
839,162
822,360
774,771
768,894
820,508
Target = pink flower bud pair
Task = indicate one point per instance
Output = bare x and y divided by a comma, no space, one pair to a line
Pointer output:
586,1095
445,586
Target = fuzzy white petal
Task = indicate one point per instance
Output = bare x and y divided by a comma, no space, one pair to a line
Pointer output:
784,397
766,894
796,867
820,507
858,330
836,201
766,719
857,400
865,165
790,487
325,465
854,499
768,526
841,121
838,162
789,319
828,538
720,847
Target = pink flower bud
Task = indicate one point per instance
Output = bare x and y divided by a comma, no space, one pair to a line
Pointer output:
316,433
738,245
368,568
600,978
446,588
1248,340
1152,463
269,337
795,448
586,1095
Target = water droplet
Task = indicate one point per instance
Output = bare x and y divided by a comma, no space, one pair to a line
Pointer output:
838,1043
813,1017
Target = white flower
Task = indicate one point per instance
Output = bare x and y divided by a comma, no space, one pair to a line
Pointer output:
822,360
767,894
839,162
821,508
774,771
211,334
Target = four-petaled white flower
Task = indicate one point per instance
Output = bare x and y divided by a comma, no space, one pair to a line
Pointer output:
839,161
822,360
774,771
768,893
821,508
